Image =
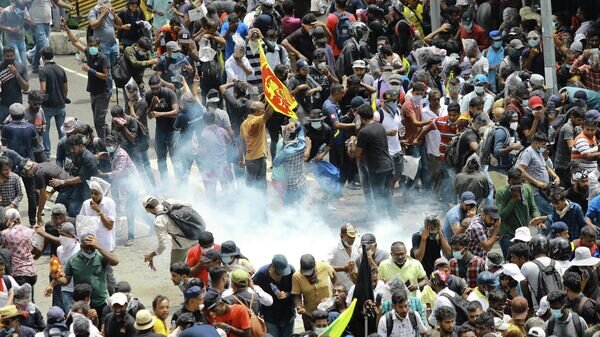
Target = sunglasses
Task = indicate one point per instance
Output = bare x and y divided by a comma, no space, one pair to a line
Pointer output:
579,176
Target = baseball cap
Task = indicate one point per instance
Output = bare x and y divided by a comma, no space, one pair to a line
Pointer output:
301,64
536,102
281,265
357,101
349,230
192,292
307,265
390,94
580,94
239,277
210,255
576,46
59,209
516,43
544,307
536,331
118,298
533,35
359,64
592,115
558,227
522,234
519,307
495,35
123,287
173,46
492,211
56,314
514,31
467,17
212,96
480,79
440,262
268,3
368,239
468,198
512,270
184,37
536,80
211,299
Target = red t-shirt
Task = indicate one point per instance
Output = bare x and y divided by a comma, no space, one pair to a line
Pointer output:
447,131
332,21
238,317
477,33
408,111
193,257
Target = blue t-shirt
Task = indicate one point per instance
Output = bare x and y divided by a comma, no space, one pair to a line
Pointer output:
203,330
453,216
242,29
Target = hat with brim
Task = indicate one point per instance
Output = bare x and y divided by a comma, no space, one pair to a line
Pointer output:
229,248
69,125
315,116
584,258
144,320
9,311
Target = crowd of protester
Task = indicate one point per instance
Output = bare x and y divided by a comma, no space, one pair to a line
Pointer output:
386,104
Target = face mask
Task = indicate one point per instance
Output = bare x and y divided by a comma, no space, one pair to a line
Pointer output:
514,54
319,331
93,51
18,11
514,125
201,307
417,100
568,66
315,125
479,90
181,286
110,149
541,150
533,43
556,313
379,47
175,56
458,255
66,243
87,255
524,103
141,53
8,332
468,27
22,302
497,44
321,66
227,259
346,244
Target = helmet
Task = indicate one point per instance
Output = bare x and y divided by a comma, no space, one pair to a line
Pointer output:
359,31
538,244
560,249
488,279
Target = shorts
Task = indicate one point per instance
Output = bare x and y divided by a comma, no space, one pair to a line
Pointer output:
398,160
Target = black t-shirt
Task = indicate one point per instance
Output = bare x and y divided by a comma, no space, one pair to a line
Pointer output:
167,98
198,317
302,41
96,85
318,138
47,171
55,78
432,251
526,123
134,33
373,140
464,146
11,92
119,329
578,198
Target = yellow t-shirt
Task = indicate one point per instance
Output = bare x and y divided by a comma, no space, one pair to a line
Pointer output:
254,133
313,294
412,271
160,327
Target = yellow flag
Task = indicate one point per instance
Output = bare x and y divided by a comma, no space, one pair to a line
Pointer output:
276,93
337,327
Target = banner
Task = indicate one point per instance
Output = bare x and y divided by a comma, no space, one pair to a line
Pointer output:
276,93
337,327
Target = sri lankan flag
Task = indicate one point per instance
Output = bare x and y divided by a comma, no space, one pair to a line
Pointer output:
276,93
55,266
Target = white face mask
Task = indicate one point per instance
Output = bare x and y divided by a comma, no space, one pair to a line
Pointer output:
315,125
514,125
478,90
319,331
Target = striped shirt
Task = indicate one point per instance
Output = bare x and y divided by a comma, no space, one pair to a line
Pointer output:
584,145
255,79
446,130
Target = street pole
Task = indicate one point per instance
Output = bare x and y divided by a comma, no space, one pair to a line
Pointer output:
548,43
434,14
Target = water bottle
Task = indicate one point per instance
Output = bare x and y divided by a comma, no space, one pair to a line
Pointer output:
275,289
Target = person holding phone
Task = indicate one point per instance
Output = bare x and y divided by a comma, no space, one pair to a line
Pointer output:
483,231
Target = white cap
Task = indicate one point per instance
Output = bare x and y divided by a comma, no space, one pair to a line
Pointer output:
544,307
512,270
499,324
522,234
118,298
359,64
536,332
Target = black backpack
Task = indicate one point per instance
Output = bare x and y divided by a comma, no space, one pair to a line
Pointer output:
548,279
120,71
342,29
389,322
460,305
486,155
186,219
452,154
576,323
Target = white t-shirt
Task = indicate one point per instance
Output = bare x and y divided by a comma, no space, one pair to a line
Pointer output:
392,123
4,292
64,257
433,138
401,327
106,237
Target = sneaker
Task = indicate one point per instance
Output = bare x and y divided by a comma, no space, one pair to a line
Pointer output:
30,54
129,243
353,185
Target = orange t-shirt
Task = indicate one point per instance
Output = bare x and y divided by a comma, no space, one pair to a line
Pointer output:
238,317
193,257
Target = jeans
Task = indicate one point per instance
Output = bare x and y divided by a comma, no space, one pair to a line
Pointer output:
543,205
67,300
111,51
281,328
163,144
41,33
3,113
32,198
489,200
420,151
59,115
382,194
57,298
99,110
366,187
20,50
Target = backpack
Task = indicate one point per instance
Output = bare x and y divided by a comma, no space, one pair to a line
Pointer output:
452,155
548,279
582,302
120,71
389,322
487,149
342,29
554,129
186,219
576,323
460,305
258,328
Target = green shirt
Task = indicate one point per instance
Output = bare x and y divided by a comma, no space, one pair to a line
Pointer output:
515,214
92,272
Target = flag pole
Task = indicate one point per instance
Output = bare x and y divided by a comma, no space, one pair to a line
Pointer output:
366,325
